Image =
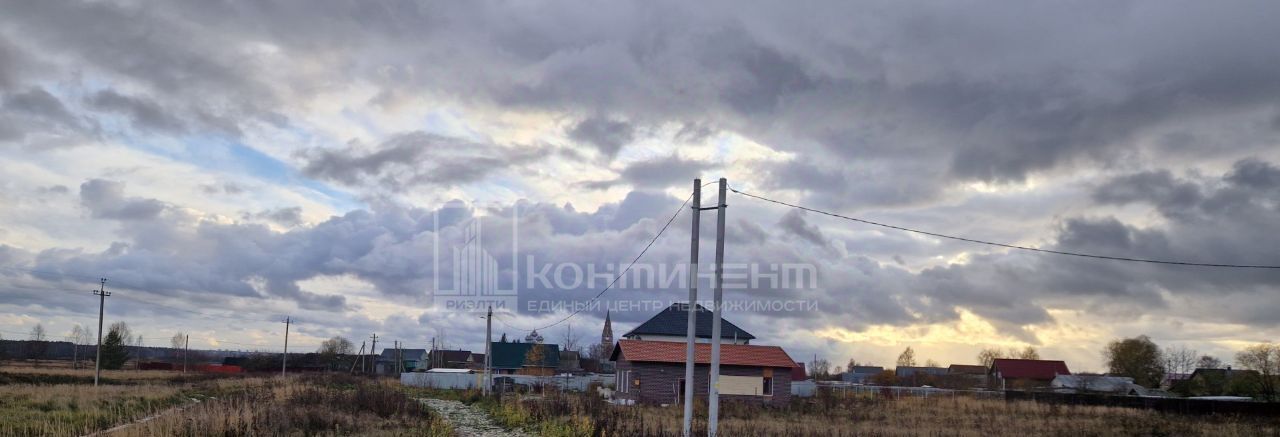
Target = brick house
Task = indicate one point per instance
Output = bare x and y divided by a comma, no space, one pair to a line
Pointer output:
652,372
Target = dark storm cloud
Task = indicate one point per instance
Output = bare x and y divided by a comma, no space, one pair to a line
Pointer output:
1256,174
606,135
657,173
793,223
144,114
1158,187
106,199
1225,221
967,93
416,158
36,118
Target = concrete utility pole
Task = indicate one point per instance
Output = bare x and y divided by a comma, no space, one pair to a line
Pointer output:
186,349
488,345
360,358
373,350
692,330
102,294
284,363
713,397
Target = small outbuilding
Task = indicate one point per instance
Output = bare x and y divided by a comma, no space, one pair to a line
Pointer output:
861,374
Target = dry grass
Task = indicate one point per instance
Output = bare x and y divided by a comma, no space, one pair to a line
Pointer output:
60,401
75,409
303,406
22,369
575,414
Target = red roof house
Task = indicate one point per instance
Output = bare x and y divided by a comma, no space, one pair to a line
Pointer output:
798,373
652,372
1022,373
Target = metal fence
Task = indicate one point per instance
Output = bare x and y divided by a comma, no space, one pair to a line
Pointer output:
461,381
1168,405
845,389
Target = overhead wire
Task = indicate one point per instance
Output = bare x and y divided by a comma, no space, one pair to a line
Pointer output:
1006,245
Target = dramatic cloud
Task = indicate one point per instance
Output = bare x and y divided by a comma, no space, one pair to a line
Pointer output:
292,158
416,158
608,136
144,114
106,199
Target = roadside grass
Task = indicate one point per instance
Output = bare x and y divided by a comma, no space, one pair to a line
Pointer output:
577,414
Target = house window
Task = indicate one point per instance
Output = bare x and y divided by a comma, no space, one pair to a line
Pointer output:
623,382
768,386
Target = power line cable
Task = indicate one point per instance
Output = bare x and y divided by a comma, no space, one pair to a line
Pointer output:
1005,245
615,278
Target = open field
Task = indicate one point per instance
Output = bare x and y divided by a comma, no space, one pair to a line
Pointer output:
58,402
156,403
65,402
571,414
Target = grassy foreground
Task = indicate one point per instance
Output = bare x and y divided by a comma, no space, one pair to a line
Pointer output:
57,402
573,414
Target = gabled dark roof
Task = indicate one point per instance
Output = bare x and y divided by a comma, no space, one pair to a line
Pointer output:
674,320
866,370
909,371
408,354
1222,373
967,369
446,356
511,355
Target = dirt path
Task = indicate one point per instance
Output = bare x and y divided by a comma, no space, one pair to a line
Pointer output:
143,420
469,421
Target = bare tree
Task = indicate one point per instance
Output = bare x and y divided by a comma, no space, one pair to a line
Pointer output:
176,344
907,358
1026,353
989,355
79,336
1208,362
37,333
338,345
852,363
37,346
931,363
819,368
1265,359
1179,360
570,340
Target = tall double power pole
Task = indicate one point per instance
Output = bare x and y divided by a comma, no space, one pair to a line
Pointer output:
713,380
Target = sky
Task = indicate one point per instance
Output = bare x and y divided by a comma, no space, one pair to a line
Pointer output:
229,164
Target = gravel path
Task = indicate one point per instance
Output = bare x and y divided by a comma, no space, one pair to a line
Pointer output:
469,421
